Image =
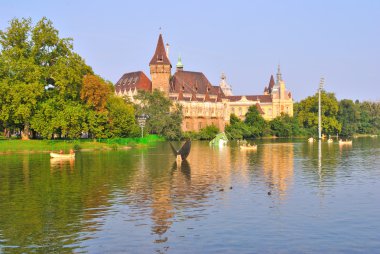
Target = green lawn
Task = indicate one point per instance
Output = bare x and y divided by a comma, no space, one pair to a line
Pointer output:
19,146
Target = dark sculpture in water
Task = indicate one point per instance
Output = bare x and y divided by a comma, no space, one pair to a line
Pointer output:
182,153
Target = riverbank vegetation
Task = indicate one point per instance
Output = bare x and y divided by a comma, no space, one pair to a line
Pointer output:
41,146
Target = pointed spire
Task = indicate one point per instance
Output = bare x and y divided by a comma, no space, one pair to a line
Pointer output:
279,77
271,84
160,56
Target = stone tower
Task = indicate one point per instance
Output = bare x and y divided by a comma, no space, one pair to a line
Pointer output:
160,68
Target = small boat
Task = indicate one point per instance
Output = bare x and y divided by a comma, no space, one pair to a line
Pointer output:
62,156
310,140
346,142
330,141
248,147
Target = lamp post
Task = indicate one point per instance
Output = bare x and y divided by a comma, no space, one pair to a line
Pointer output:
319,108
141,121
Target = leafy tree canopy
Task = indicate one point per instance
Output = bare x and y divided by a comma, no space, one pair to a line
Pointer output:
164,118
306,112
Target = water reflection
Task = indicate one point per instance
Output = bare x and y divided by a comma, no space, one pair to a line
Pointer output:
61,163
278,165
144,196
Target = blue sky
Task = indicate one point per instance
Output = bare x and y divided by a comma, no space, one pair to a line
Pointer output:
337,40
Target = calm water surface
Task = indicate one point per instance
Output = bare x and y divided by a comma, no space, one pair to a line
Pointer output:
286,197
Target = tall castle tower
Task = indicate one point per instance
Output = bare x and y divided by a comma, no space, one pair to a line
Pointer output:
160,68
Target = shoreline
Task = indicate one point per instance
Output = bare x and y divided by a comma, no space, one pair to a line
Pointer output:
33,146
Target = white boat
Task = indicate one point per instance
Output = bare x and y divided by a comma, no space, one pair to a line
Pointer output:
346,142
248,147
63,156
330,140
310,140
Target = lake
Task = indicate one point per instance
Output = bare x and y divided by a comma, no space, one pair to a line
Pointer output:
289,196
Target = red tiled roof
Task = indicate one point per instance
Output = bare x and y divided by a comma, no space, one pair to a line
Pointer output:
193,96
207,97
261,98
180,95
192,82
133,80
160,56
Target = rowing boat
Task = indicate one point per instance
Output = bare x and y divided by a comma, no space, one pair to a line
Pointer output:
346,142
252,147
58,155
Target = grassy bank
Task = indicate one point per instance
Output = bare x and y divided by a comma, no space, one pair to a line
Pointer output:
21,146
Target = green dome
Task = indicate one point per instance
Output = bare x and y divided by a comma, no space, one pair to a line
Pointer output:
179,63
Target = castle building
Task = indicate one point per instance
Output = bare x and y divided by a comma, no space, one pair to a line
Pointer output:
203,103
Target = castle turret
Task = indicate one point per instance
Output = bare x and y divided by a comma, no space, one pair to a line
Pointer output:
160,68
226,88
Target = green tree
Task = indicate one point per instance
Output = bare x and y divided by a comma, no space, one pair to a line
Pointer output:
164,118
237,129
306,112
36,65
121,118
369,120
208,133
68,120
258,125
348,116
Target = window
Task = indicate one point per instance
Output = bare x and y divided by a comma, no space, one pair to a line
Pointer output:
199,125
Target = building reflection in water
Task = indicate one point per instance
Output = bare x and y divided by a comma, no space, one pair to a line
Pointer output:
278,165
173,193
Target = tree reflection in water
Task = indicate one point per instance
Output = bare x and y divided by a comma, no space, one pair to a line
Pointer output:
142,194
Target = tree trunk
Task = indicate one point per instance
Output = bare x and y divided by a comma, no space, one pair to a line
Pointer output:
7,133
25,132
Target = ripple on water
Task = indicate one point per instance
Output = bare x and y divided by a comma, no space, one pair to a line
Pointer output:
138,201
